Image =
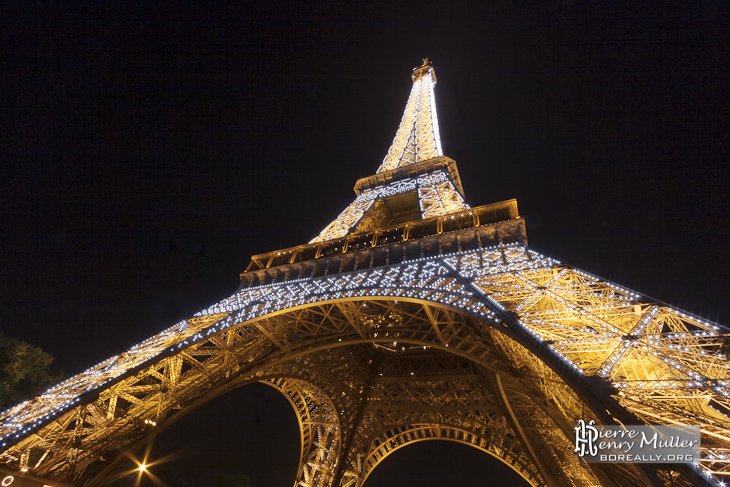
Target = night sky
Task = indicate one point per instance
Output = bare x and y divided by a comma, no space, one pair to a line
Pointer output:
149,150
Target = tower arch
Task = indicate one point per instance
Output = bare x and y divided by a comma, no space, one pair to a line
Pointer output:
499,445
410,308
396,317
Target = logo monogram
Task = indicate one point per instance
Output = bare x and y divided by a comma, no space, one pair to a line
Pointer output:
585,437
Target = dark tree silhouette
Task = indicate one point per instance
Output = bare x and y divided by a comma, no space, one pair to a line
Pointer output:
24,371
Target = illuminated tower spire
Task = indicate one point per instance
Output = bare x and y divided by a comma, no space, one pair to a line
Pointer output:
415,180
417,138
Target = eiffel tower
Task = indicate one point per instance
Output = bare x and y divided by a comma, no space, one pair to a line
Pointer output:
411,317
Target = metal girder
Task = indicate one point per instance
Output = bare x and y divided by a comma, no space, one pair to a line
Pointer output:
438,191
417,137
443,327
436,196
413,307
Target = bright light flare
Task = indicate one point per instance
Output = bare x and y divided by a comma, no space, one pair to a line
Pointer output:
142,467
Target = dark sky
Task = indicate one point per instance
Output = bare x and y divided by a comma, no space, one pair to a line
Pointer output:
149,150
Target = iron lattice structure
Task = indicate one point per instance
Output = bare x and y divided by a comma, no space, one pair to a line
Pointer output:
411,317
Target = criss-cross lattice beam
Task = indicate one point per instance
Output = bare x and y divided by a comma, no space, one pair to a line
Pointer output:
437,196
319,427
417,137
671,372
417,140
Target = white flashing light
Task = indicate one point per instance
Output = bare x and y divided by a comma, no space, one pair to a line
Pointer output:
434,117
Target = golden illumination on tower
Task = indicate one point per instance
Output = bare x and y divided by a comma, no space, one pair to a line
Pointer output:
416,141
411,317
417,138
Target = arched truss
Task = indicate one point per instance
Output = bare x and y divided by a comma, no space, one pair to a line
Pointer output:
319,427
562,345
377,388
498,444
